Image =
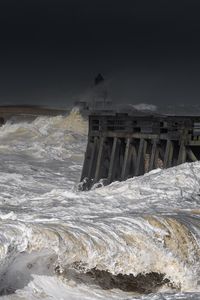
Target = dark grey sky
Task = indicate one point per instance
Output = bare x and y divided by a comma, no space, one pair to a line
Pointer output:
50,50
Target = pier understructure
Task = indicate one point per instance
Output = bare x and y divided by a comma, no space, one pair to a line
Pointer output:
121,146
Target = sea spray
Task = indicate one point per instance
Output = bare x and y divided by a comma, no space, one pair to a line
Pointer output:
121,241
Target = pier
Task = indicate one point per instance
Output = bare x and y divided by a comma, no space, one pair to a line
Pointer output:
122,145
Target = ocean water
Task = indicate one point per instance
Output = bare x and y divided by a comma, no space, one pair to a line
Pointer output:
138,239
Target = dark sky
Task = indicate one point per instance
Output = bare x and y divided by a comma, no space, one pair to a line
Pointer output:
51,50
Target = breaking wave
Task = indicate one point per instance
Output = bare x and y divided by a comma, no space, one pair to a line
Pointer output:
128,239
45,137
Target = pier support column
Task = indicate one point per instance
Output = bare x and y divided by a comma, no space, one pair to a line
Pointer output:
191,154
89,161
112,160
153,155
126,157
132,161
182,153
140,158
171,153
93,158
99,158
168,154
86,159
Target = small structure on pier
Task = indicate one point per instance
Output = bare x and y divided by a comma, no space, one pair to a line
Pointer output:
96,99
123,145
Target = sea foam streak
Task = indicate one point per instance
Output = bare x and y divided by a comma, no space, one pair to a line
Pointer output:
120,241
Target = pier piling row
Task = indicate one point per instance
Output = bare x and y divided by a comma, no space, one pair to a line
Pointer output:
121,146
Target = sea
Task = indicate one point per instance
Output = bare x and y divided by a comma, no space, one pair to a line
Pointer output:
137,239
